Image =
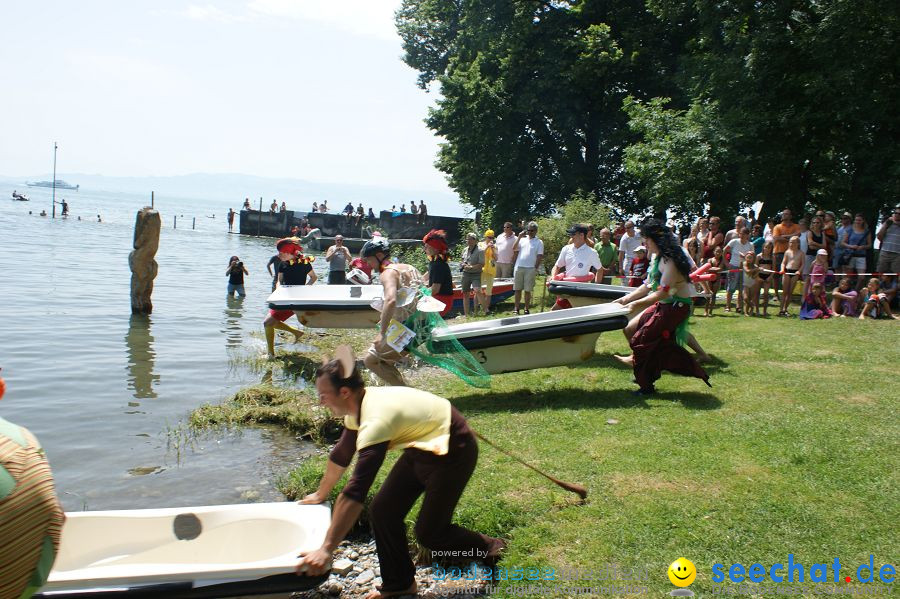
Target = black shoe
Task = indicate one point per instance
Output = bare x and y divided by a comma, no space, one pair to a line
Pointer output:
644,392
527,311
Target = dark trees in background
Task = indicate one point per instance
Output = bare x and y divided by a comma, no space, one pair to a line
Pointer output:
662,104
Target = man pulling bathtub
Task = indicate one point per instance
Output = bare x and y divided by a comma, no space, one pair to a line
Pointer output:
576,262
439,456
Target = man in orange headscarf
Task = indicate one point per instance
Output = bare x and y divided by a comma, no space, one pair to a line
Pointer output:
438,279
294,269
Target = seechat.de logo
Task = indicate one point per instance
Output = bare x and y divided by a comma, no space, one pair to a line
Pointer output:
794,571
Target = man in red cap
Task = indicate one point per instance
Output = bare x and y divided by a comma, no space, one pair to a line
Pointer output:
295,269
439,280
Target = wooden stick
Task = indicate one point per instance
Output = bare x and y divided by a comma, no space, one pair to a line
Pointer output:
571,487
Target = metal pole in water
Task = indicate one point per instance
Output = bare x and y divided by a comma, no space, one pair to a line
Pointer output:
194,224
53,210
152,200
175,223
259,217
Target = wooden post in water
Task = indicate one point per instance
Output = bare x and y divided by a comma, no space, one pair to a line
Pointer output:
194,224
152,200
175,222
140,260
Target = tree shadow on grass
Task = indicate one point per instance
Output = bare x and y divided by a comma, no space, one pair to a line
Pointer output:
570,398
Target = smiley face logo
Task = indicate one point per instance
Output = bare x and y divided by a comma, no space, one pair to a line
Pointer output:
682,572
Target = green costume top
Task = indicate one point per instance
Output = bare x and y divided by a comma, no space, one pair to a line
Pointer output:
655,276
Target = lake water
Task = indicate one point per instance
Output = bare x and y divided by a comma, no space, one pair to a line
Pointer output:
102,388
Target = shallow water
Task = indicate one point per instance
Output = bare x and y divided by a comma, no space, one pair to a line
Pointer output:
102,388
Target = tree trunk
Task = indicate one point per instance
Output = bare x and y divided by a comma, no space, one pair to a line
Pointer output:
140,260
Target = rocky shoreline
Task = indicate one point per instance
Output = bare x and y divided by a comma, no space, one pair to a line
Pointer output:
355,573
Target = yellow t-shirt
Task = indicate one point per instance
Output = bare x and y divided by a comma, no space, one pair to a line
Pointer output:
490,259
405,417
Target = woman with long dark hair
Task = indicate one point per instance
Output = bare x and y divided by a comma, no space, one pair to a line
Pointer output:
657,335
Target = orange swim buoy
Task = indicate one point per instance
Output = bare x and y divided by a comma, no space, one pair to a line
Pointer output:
2,387
582,279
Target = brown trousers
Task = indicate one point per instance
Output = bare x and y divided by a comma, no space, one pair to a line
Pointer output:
443,480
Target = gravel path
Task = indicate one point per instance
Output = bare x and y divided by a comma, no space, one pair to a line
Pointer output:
355,572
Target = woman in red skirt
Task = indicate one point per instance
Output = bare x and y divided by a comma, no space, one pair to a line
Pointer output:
658,333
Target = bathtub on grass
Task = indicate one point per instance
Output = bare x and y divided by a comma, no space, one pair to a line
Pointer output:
192,552
536,340
586,294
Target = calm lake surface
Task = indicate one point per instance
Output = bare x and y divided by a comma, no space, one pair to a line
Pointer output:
102,389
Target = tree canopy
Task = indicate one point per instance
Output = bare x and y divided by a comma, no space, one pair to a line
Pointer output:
660,104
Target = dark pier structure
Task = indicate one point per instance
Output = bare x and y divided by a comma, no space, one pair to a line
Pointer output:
391,224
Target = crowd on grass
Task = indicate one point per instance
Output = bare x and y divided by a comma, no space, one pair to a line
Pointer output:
831,265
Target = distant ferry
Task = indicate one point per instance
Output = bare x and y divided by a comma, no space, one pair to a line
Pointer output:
60,184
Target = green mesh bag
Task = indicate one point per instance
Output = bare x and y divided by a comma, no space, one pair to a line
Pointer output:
449,354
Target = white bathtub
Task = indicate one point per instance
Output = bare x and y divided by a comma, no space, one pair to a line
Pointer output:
185,548
536,340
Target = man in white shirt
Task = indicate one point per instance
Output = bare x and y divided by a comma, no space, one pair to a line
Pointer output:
505,252
739,224
735,250
630,241
530,252
577,260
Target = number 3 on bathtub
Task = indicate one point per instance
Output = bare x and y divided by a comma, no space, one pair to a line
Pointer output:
479,355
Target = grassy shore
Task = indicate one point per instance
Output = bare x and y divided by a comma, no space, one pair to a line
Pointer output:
793,451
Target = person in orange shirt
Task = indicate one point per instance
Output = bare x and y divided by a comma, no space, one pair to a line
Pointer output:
781,235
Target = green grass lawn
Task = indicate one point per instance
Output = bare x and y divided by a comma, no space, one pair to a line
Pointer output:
794,450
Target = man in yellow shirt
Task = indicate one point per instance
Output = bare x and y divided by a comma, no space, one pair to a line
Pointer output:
439,456
490,269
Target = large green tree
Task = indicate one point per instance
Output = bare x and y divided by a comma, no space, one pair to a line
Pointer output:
531,94
805,94
653,105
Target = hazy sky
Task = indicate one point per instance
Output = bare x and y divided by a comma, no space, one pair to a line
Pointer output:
279,88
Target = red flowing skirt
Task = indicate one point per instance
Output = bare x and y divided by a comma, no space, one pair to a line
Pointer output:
655,349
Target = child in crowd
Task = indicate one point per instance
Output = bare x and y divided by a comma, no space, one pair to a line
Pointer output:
735,250
817,270
770,226
638,267
843,299
765,261
751,285
757,239
712,287
875,303
695,250
792,264
815,305
888,285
